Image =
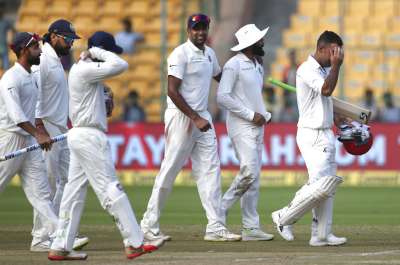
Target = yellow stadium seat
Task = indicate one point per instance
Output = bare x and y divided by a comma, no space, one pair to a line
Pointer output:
331,8
84,25
394,24
30,23
371,39
328,23
392,57
153,38
364,56
358,8
354,89
113,8
277,70
358,71
351,39
353,23
385,8
32,7
85,8
309,7
377,23
109,24
302,22
137,8
296,39
62,9
392,40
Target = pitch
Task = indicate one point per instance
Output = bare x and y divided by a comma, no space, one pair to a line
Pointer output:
368,217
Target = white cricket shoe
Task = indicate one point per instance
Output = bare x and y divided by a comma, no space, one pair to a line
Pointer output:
222,235
40,246
255,234
156,242
331,240
58,255
80,242
150,236
285,231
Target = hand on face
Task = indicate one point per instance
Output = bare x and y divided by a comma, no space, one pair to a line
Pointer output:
336,55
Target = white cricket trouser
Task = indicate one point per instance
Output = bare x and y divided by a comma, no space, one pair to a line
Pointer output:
32,171
248,147
90,162
57,163
184,140
318,150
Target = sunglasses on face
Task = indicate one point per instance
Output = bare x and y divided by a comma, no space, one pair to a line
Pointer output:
67,39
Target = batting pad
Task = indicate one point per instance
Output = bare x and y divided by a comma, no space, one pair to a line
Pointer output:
119,207
309,196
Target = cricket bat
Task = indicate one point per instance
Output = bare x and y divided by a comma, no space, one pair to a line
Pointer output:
340,107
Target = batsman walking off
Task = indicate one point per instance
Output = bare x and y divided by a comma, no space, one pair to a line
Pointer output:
240,92
189,133
90,159
315,82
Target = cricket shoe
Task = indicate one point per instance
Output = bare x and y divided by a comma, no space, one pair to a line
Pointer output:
40,246
331,240
160,235
132,252
255,234
80,242
284,230
66,255
221,236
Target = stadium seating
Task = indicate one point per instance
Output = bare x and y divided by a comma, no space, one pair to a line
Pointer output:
144,73
371,33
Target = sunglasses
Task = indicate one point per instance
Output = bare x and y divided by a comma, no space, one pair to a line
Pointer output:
67,39
35,37
200,18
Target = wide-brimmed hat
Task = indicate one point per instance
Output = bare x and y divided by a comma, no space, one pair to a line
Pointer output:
247,36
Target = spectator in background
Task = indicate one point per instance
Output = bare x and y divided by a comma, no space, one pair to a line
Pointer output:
289,72
133,112
127,38
272,104
5,27
389,113
369,102
288,111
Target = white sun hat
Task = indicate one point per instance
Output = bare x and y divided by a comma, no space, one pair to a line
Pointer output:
247,36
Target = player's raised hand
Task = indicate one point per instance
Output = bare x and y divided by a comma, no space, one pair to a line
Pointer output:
259,119
337,56
202,124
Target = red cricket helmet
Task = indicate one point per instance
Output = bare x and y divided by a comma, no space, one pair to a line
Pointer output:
357,146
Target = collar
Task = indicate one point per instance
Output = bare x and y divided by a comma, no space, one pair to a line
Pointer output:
49,50
21,69
195,48
244,58
314,62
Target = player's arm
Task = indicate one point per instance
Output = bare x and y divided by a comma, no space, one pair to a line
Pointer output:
225,99
12,101
108,65
174,84
337,55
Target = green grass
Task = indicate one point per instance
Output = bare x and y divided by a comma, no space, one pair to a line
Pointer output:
368,206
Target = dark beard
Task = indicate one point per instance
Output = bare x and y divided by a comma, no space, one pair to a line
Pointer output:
60,50
34,60
258,50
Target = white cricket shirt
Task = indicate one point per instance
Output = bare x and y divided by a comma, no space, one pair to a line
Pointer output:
315,109
53,88
18,96
195,68
86,102
240,91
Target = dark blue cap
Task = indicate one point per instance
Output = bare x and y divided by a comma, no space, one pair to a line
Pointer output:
22,40
105,41
63,27
195,19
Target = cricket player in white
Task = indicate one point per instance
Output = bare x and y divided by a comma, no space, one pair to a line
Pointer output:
90,159
189,133
315,82
52,114
18,96
240,92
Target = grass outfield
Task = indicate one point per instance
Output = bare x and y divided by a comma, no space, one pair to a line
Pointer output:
368,217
